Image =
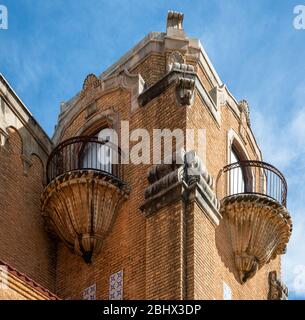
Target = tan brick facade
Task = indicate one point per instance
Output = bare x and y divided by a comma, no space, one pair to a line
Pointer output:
177,251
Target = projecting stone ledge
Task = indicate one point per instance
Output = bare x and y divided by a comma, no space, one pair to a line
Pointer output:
81,206
184,78
185,178
260,229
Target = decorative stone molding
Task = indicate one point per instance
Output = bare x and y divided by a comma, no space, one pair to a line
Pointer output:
277,289
80,207
260,229
91,92
91,82
171,182
185,91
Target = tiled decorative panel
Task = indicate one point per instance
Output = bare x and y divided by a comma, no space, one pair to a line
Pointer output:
227,292
90,293
116,286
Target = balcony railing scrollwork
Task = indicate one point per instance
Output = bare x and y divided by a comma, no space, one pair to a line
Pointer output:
85,153
254,177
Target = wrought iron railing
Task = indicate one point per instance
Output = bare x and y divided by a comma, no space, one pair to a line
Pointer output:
255,177
85,153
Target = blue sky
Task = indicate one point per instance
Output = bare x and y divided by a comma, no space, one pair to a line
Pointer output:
52,45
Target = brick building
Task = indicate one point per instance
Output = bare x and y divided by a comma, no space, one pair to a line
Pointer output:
210,224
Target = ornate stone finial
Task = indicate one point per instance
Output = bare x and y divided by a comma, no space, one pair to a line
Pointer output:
91,82
174,20
277,289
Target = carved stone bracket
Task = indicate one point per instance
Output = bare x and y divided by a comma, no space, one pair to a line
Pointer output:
184,77
171,182
185,91
91,82
260,229
80,207
277,289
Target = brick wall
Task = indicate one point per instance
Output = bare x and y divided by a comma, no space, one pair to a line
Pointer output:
151,251
24,242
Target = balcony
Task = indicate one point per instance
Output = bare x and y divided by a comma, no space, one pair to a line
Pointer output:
84,193
253,204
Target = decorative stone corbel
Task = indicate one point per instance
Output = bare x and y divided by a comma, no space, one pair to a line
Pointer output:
185,91
260,228
185,177
185,87
135,84
277,289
